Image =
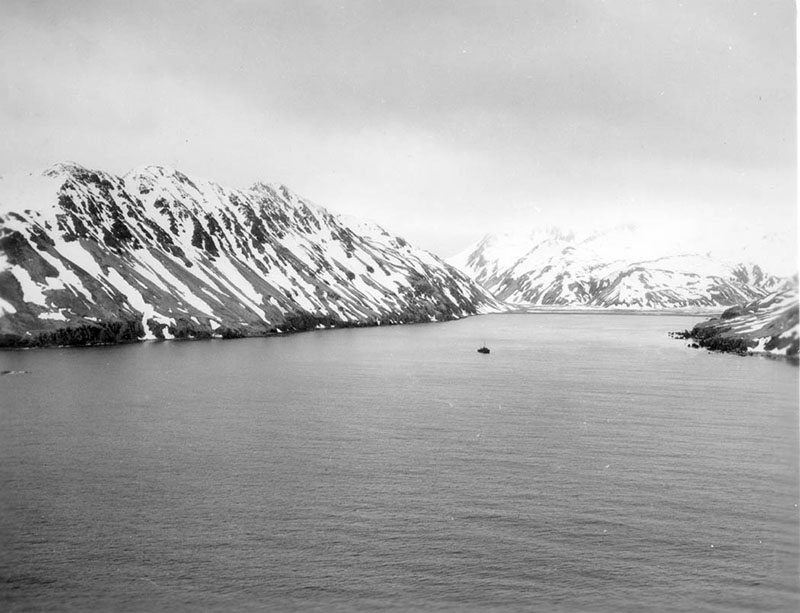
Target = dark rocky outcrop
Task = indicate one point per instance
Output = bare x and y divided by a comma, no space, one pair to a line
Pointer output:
767,326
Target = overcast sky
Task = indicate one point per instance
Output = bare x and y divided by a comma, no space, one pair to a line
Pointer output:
438,120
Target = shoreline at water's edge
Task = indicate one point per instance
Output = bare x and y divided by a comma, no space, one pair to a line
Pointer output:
706,335
203,334
549,310
733,345
200,334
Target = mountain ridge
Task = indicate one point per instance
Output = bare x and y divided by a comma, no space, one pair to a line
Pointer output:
158,254
607,269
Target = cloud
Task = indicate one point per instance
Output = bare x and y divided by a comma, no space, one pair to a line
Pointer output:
456,115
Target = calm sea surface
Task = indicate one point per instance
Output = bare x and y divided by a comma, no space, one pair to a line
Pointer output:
590,463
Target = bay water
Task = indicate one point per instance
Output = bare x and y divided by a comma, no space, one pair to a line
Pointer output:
589,463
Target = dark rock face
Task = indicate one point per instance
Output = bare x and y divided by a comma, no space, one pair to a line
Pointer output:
768,326
157,255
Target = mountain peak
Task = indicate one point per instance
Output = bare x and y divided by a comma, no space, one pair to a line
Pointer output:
154,173
622,266
65,168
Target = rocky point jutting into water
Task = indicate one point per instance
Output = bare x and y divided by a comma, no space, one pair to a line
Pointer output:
766,326
88,257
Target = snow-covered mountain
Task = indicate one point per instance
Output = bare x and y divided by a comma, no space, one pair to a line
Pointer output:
768,325
617,268
86,256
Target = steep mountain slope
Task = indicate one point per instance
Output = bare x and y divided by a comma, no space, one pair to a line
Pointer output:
86,256
614,268
768,325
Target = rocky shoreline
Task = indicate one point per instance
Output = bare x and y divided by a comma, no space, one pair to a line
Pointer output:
124,331
763,327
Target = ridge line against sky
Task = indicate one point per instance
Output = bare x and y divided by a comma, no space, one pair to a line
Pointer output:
438,120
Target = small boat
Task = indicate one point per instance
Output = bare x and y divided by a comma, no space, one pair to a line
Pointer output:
483,349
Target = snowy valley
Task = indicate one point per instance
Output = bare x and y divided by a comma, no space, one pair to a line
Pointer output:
622,269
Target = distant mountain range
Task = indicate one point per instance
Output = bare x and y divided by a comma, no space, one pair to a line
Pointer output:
768,325
616,268
87,257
